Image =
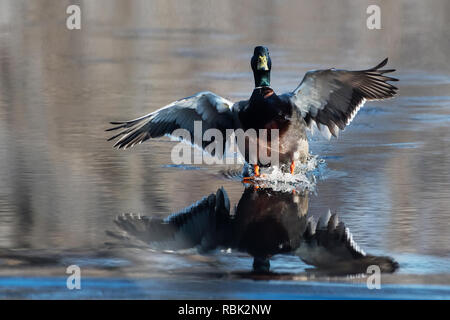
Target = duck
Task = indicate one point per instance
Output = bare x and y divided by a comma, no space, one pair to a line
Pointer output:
326,99
263,223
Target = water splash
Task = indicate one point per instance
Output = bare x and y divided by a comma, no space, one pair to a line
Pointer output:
279,178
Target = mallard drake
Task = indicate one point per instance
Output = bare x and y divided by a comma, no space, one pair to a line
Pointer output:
327,99
264,223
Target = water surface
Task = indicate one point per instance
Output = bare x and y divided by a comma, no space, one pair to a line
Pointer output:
62,184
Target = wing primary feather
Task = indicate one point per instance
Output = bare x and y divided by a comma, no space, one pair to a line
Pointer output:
380,65
213,110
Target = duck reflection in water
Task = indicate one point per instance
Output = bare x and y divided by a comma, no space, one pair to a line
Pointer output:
264,223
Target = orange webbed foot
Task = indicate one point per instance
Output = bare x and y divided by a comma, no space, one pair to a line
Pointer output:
257,174
256,170
292,167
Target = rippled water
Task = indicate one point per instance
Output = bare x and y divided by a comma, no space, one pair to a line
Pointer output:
387,176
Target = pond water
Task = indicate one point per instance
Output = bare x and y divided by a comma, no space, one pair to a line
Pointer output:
62,185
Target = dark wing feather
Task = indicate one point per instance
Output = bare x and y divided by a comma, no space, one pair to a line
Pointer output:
212,110
199,225
331,98
329,245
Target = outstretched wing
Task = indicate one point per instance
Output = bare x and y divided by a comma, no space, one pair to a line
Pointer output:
200,225
331,98
212,110
329,245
